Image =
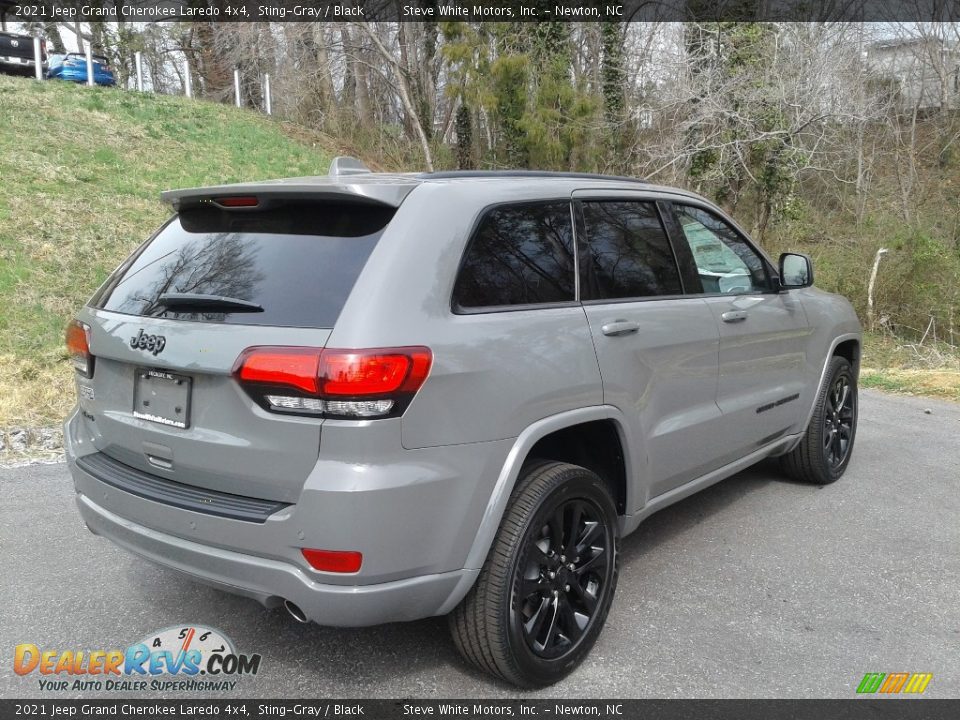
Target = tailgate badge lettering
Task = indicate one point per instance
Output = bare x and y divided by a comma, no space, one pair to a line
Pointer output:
151,343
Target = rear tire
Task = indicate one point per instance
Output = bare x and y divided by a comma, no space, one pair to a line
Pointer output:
535,611
824,453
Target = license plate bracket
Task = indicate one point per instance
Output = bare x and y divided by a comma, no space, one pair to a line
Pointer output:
162,397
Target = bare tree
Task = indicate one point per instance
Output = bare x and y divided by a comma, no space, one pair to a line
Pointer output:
402,77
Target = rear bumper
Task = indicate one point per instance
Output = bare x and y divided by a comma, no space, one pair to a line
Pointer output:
271,581
413,514
10,61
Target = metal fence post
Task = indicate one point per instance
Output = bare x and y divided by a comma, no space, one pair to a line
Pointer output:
236,87
37,62
266,92
186,76
89,66
138,61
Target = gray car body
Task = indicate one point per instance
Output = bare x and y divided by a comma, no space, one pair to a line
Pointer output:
422,495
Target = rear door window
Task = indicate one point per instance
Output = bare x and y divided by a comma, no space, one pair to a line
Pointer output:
297,261
626,253
520,254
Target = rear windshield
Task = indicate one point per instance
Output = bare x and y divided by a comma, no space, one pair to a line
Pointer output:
297,261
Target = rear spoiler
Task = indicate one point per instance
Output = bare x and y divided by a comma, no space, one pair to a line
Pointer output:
390,195
368,188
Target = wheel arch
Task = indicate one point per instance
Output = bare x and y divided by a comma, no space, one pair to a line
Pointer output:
550,432
849,349
545,432
848,346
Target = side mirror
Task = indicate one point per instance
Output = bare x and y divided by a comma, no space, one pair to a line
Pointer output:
796,271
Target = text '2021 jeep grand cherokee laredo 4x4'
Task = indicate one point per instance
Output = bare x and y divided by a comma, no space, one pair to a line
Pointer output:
374,398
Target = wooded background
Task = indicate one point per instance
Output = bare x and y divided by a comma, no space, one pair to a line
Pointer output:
838,139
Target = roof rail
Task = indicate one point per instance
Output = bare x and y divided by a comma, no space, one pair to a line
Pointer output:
346,165
452,174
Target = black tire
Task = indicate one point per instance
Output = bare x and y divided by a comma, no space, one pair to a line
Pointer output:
824,453
516,602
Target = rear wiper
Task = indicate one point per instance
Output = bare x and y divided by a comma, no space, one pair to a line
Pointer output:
183,301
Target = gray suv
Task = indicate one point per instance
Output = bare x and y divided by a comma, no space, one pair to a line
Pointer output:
370,398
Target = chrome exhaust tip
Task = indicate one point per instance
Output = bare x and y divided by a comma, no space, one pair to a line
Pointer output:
295,612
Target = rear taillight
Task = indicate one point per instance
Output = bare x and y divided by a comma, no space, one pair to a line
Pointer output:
78,347
354,384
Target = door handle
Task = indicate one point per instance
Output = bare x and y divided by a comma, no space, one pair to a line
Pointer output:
620,327
732,316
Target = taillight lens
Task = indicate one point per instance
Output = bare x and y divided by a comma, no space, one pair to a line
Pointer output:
78,347
354,384
238,201
338,561
292,367
373,372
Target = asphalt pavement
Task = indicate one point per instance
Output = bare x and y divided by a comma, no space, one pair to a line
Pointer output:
756,587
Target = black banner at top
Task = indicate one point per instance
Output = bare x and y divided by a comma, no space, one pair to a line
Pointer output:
483,10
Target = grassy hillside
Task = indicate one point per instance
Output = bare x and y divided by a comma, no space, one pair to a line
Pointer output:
81,170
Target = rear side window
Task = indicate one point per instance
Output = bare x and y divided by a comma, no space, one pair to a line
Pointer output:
297,261
627,252
520,254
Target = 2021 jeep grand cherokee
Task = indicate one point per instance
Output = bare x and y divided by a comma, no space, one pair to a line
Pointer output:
373,398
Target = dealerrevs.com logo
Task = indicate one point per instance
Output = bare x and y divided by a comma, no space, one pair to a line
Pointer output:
185,658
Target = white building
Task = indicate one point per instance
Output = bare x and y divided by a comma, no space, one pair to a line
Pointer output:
923,73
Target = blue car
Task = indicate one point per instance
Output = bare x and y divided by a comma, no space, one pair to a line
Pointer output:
73,66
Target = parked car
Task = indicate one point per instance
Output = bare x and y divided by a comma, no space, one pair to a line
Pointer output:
370,398
16,53
73,66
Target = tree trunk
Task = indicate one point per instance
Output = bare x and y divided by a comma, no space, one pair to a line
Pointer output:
52,32
79,33
212,65
403,89
871,324
464,138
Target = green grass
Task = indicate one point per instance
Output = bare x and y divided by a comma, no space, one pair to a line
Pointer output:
81,170
925,383
894,365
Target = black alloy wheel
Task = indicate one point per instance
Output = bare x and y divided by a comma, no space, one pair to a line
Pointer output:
838,421
544,591
824,451
563,576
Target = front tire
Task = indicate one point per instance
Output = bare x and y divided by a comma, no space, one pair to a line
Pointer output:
824,453
544,592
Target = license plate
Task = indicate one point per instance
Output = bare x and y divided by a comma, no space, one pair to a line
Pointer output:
162,397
